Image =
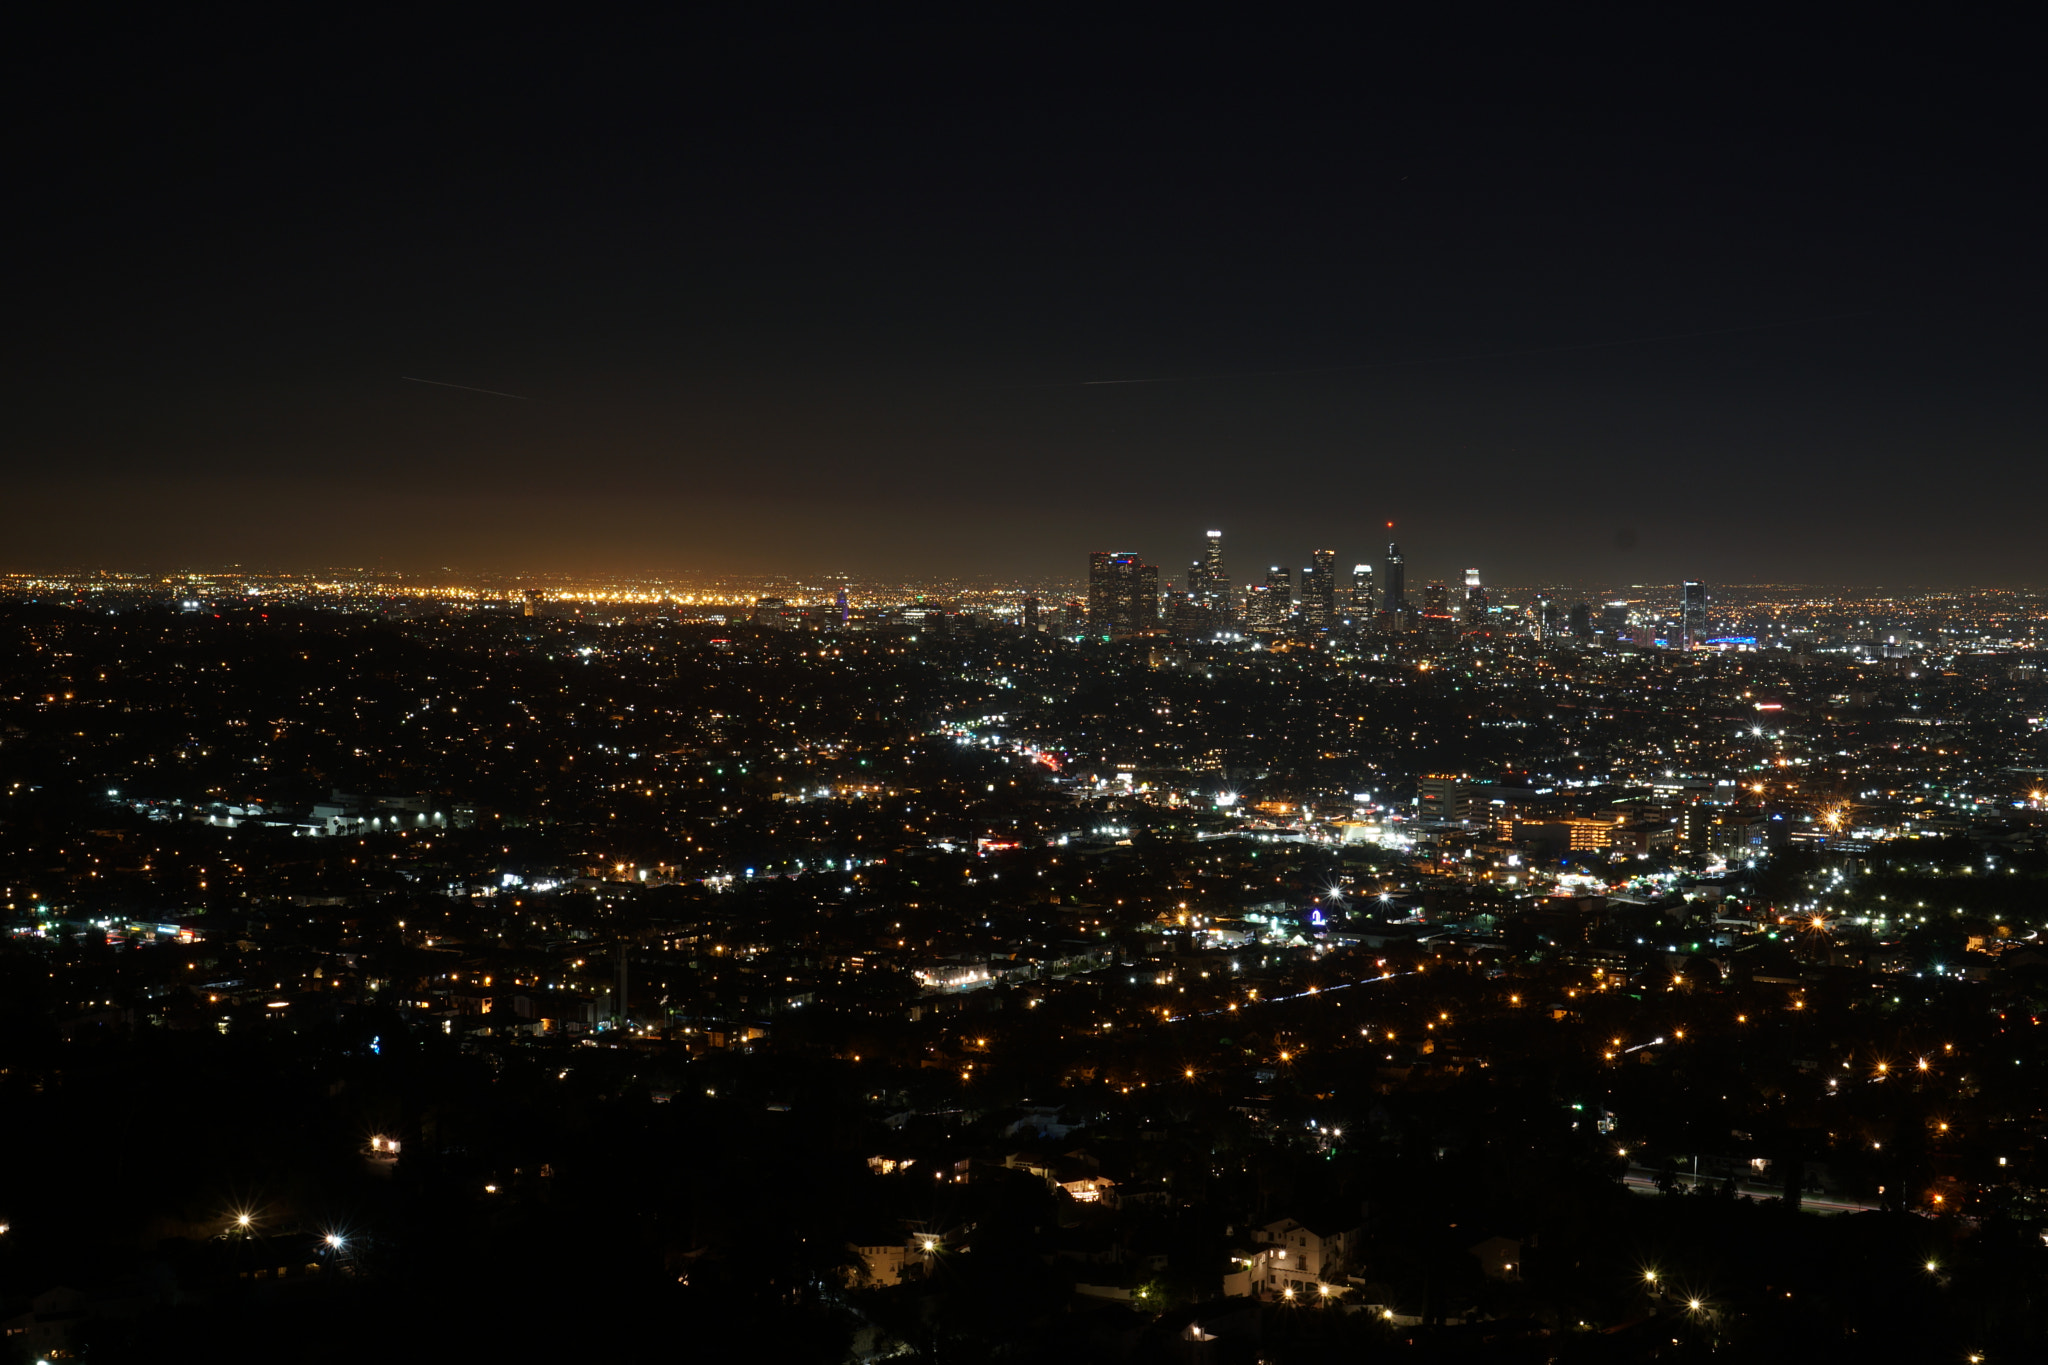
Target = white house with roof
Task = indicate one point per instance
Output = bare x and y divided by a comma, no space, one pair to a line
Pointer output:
1291,1255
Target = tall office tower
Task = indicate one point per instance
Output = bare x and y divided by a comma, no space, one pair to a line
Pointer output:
1546,617
1258,608
1141,601
844,602
1103,567
1436,608
1215,594
1475,601
1123,593
1208,584
1579,621
1692,615
1280,586
1028,613
1361,593
1394,589
1614,622
1319,590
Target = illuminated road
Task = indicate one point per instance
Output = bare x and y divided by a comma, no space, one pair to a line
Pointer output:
1646,1183
1309,994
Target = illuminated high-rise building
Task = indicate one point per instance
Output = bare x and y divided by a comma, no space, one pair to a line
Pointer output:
1275,599
1144,598
1475,601
1394,591
1208,583
1436,609
1261,608
1692,615
1319,591
1123,593
1102,586
1361,593
1614,622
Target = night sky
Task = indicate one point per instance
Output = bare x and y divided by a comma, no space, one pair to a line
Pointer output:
778,295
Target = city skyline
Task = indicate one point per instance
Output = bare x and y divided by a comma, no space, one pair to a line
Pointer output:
1588,319
489,583
418,542
1208,575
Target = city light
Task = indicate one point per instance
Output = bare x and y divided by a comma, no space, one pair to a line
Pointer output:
552,897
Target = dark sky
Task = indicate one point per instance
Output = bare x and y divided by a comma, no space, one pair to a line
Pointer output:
783,294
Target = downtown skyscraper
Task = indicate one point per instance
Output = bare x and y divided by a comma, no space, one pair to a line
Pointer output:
1692,615
1394,591
1123,593
1475,601
1209,582
1361,594
1319,591
1271,604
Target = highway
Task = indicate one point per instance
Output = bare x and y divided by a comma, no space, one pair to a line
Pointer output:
1645,1182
